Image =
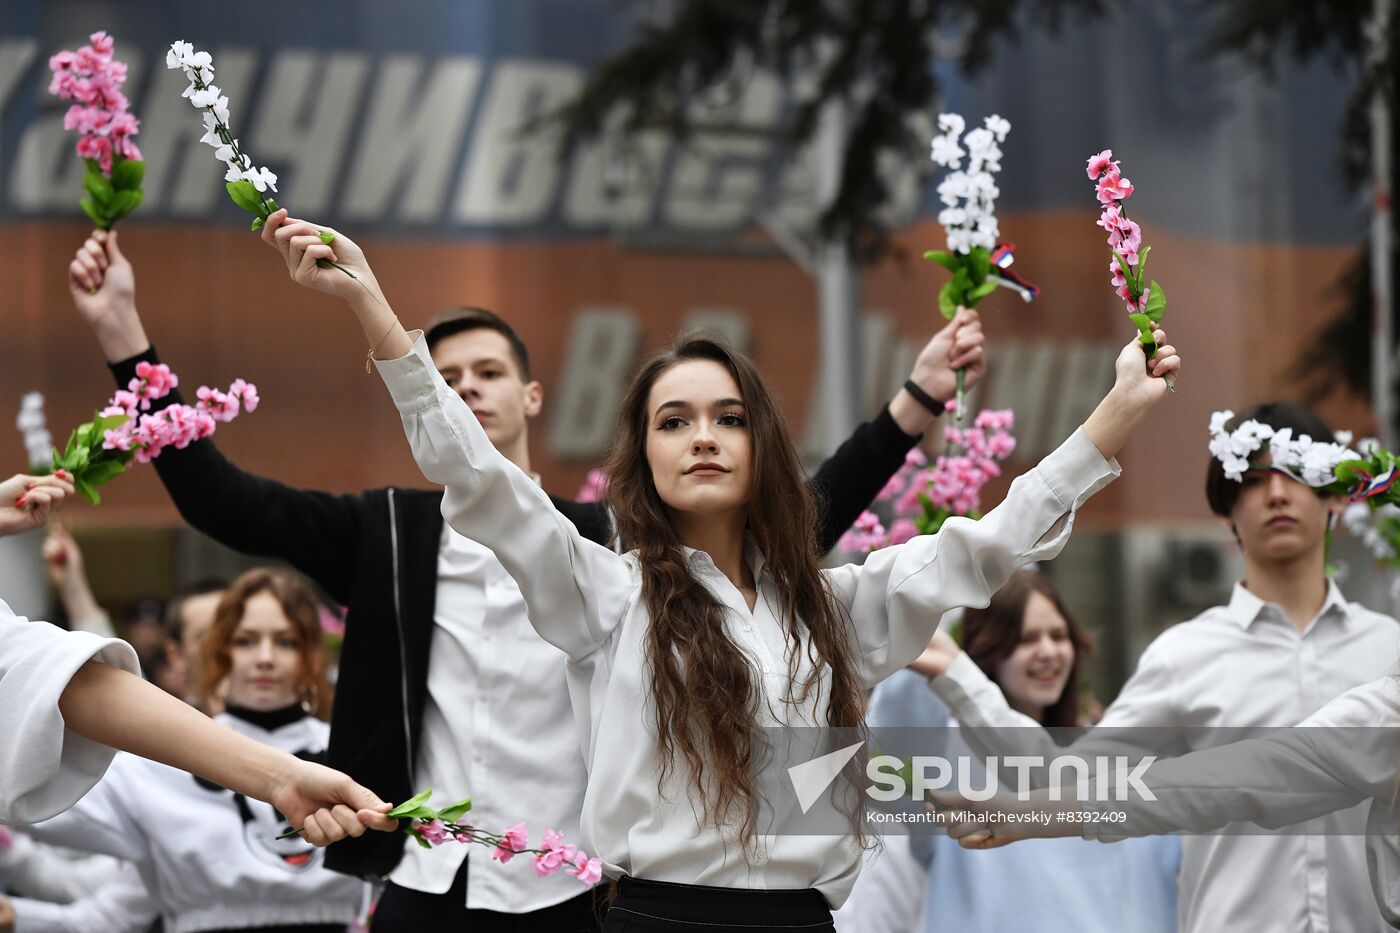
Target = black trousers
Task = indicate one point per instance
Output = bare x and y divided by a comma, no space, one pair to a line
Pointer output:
652,906
403,910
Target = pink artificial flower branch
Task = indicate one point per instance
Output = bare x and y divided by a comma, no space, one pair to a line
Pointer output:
1145,300
92,79
127,429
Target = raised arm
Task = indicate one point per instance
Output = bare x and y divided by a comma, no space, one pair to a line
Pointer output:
575,590
848,481
896,597
316,532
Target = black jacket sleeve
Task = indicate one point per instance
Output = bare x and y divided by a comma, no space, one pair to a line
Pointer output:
316,532
848,481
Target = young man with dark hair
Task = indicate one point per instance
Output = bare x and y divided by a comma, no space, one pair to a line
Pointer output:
443,681
1285,644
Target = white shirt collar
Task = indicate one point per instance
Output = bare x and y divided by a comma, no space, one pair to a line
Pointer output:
1245,607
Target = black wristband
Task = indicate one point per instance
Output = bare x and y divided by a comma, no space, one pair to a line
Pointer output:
923,398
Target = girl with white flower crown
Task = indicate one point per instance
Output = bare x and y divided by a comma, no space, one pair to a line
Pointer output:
720,623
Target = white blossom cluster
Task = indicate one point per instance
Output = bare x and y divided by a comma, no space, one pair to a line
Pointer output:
38,443
1306,460
969,195
206,96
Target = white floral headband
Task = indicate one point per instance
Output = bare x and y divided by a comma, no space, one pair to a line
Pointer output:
1313,463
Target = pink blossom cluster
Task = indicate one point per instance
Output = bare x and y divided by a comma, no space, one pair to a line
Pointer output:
92,79
1124,236
953,484
956,480
594,487
552,855
146,435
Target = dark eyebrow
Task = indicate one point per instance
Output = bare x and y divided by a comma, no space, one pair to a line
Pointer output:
685,406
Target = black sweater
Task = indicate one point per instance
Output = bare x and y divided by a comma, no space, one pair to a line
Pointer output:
377,553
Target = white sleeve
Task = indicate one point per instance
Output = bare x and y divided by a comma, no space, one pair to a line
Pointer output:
44,872
44,767
102,821
120,906
897,596
575,591
1140,721
1345,753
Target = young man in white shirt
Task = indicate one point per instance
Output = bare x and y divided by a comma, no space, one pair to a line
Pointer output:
1285,644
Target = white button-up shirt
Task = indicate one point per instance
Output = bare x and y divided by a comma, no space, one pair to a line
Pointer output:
497,725
1239,665
1345,754
587,600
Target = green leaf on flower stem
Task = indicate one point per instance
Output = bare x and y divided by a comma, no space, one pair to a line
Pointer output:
99,187
947,304
93,165
982,291
125,202
1133,279
980,262
455,812
420,840
257,224
945,259
420,813
1142,263
272,207
127,174
104,471
412,803
326,237
962,280
96,216
245,196
84,487
1156,304
1144,326
108,423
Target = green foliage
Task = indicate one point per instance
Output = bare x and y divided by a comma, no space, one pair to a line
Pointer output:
110,199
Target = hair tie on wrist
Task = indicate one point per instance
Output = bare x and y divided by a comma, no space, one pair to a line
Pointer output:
923,398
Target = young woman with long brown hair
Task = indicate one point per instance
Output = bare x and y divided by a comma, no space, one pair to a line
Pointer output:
719,621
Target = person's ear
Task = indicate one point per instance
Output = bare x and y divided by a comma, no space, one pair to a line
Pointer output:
534,398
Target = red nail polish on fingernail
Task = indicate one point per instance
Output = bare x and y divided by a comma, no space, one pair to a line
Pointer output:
62,473
19,503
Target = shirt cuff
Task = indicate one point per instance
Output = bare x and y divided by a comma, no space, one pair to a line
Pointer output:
412,379
1076,470
960,686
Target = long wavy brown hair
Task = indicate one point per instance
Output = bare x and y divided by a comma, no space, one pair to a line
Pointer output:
704,686
300,606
